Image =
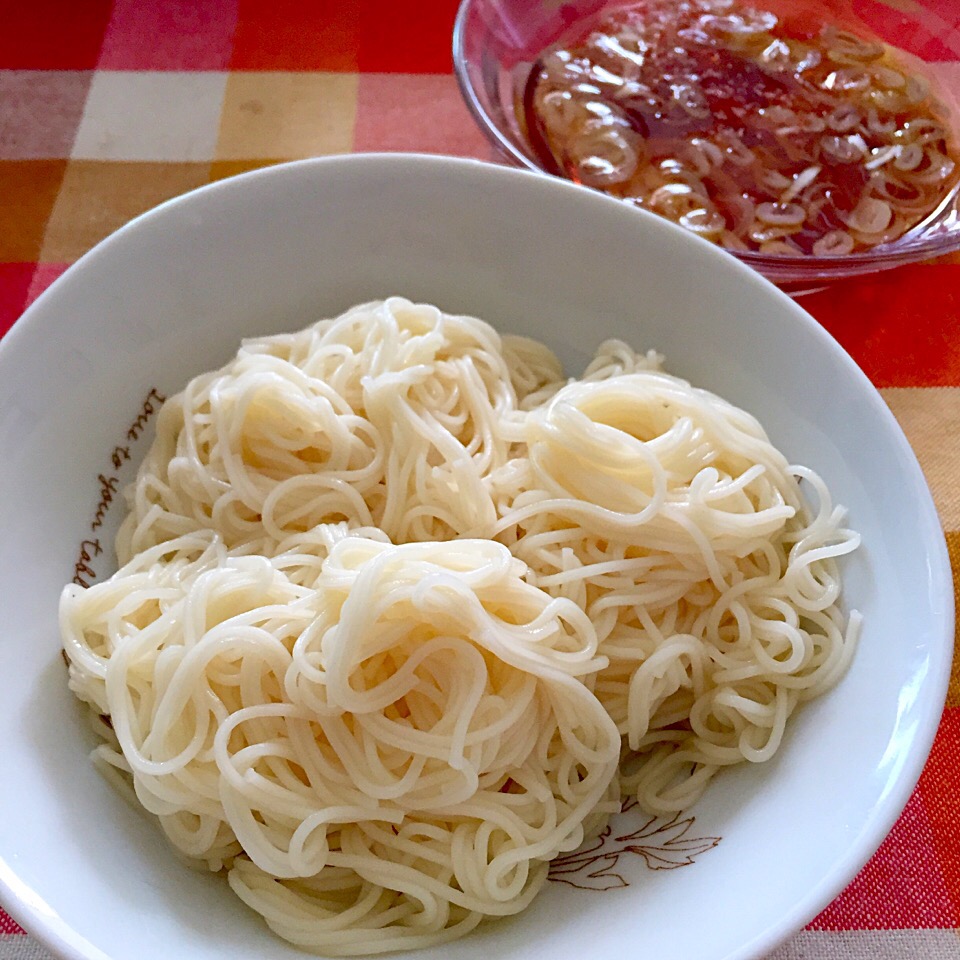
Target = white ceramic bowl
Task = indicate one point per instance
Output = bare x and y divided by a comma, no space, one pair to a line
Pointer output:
171,295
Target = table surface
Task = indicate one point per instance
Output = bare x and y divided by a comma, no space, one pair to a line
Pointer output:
109,107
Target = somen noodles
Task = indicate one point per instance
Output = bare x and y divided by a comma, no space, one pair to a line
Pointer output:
402,614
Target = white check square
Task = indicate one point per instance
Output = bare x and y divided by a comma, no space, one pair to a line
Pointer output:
151,116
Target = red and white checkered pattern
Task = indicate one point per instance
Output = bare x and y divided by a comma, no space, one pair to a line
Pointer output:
109,107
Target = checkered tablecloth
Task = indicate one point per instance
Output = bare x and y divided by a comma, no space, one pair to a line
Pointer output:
108,107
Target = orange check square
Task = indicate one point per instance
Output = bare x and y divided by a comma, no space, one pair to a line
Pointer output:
98,197
222,169
287,115
29,190
953,693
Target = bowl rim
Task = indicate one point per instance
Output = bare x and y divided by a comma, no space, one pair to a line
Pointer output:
792,267
28,908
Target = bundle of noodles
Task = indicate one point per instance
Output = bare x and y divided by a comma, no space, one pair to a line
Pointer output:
666,514
380,760
598,587
386,416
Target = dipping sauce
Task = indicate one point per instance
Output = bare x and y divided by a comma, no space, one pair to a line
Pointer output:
714,115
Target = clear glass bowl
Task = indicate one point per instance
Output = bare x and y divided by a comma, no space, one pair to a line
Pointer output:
497,42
